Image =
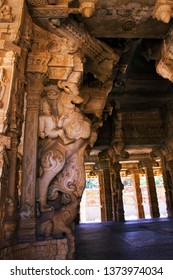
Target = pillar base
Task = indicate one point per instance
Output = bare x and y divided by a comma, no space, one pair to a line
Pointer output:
27,230
55,249
120,216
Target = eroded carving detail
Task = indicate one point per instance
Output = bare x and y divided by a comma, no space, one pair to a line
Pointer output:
102,57
61,9
164,66
47,250
5,142
5,12
163,10
7,203
3,82
68,125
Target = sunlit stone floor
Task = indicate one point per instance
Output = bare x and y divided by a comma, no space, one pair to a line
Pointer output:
150,239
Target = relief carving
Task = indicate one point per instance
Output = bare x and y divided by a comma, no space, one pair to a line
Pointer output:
38,62
3,82
68,126
5,12
60,8
8,223
37,2
64,133
5,143
101,58
165,64
66,62
163,10
7,204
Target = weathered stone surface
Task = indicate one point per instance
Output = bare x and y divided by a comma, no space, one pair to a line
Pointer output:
67,75
163,10
41,250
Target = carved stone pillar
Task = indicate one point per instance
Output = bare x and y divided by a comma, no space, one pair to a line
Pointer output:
102,196
168,183
4,163
166,153
15,121
136,183
113,183
107,188
10,202
12,67
119,208
154,208
27,225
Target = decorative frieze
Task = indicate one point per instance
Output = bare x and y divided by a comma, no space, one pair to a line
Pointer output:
60,9
38,62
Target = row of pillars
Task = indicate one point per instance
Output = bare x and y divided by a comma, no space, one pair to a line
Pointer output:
112,191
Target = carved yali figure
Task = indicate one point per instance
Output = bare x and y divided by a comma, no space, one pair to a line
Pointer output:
65,131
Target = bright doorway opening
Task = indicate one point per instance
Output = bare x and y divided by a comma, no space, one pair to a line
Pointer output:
90,209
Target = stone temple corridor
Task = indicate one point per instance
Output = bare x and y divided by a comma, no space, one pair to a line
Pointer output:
150,239
86,92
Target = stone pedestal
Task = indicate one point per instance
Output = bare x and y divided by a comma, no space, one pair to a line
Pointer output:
40,250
